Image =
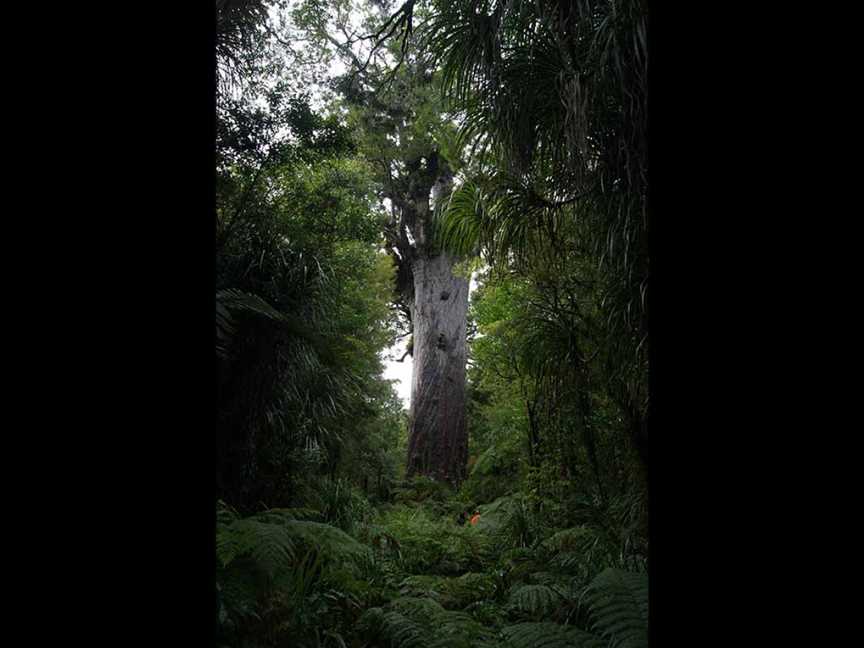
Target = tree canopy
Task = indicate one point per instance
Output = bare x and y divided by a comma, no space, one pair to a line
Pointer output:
372,158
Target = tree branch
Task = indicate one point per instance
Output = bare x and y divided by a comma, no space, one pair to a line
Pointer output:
404,355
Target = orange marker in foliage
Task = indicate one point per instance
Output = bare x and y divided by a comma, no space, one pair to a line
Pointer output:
476,518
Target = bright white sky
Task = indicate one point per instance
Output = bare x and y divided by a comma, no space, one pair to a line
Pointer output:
399,371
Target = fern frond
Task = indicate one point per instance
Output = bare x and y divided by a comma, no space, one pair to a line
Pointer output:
399,630
334,543
419,608
271,538
549,635
458,223
618,601
423,585
270,546
458,629
479,546
471,587
411,621
580,547
451,593
535,600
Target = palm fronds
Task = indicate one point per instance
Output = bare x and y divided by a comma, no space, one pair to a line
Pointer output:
555,98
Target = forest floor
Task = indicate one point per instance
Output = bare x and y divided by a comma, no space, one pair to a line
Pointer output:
404,574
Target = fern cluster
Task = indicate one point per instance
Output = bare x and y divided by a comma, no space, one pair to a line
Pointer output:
274,569
409,577
616,604
422,623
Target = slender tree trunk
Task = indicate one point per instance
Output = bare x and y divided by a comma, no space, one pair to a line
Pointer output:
438,441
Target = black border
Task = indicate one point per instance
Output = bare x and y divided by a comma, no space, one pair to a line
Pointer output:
154,168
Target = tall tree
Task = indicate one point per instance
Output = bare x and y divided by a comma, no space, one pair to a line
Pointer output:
437,303
403,130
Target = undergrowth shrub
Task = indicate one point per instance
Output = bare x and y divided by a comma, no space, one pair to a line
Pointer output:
495,472
279,572
433,544
511,522
616,606
406,574
453,592
416,622
342,504
422,489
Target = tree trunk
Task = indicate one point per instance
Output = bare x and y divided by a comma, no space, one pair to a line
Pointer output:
436,302
438,441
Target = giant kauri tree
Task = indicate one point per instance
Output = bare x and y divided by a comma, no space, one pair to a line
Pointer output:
396,106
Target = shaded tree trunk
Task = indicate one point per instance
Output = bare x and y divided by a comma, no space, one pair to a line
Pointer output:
438,441
436,302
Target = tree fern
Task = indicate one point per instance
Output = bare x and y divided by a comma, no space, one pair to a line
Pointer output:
569,562
477,547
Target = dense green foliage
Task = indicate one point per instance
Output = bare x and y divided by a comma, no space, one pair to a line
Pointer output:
553,101
539,108
408,575
303,302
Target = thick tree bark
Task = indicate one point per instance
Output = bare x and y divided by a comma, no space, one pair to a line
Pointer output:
437,303
438,441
